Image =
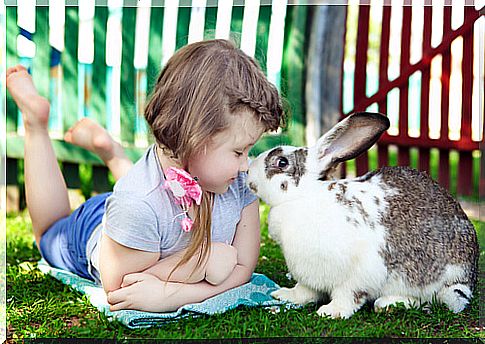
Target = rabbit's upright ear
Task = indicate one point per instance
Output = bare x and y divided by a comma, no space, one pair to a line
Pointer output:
349,138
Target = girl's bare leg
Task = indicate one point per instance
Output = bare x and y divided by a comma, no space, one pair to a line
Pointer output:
91,136
45,188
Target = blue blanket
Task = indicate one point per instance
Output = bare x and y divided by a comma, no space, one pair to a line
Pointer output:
254,293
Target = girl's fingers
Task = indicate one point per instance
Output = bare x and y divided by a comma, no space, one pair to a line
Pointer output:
131,278
117,296
119,306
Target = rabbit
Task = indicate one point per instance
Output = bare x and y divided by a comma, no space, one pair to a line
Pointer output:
390,236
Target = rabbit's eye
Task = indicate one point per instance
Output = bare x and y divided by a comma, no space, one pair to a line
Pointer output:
282,162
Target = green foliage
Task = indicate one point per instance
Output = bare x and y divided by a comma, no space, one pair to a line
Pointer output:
39,306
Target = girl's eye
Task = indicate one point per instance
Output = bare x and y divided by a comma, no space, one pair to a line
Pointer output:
238,153
282,162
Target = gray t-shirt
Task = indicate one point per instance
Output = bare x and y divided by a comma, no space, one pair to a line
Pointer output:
142,215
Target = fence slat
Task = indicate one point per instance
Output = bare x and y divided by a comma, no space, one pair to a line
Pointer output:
197,21
444,166
85,52
140,62
113,73
382,151
236,24
142,29
465,166
169,33
445,77
261,51
276,41
183,21
70,73
97,101
467,83
294,69
403,154
57,20
25,44
360,80
57,15
249,26
424,155
157,18
223,24
85,56
481,185
429,143
465,174
128,91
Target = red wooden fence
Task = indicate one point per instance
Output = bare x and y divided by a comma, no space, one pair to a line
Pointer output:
465,146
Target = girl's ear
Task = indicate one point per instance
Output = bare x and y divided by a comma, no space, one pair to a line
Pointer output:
349,138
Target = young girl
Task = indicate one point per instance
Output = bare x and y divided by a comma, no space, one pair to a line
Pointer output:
180,225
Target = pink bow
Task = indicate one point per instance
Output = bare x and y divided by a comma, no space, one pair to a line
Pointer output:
185,190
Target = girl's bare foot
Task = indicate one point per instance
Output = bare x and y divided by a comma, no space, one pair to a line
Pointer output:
34,108
93,137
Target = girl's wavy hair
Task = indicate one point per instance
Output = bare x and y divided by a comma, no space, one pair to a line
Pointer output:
200,85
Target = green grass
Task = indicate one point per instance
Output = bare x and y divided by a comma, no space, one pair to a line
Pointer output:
40,306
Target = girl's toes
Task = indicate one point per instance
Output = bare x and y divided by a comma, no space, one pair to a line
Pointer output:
68,136
15,69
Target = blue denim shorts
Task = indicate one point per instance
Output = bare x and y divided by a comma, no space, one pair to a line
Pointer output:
63,245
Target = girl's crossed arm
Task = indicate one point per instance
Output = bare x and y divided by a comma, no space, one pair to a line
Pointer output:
116,261
144,291
216,268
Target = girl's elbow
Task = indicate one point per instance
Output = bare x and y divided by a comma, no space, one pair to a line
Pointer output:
248,275
111,282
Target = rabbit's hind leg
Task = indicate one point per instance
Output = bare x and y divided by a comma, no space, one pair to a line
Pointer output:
299,294
456,296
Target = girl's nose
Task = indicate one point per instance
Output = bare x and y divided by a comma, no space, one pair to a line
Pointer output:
244,164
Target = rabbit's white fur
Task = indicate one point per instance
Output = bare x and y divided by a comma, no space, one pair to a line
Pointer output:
333,248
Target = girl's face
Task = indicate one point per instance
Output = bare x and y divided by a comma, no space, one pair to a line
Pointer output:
227,154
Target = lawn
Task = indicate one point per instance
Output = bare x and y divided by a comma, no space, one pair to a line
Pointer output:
40,306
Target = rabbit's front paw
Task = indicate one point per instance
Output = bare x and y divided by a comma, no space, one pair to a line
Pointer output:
336,311
384,302
299,294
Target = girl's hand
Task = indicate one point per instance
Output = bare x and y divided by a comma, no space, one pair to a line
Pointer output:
221,263
142,292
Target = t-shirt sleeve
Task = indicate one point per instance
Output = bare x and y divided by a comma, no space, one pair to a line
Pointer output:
132,223
247,197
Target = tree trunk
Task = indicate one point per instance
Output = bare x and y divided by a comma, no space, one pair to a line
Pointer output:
324,69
